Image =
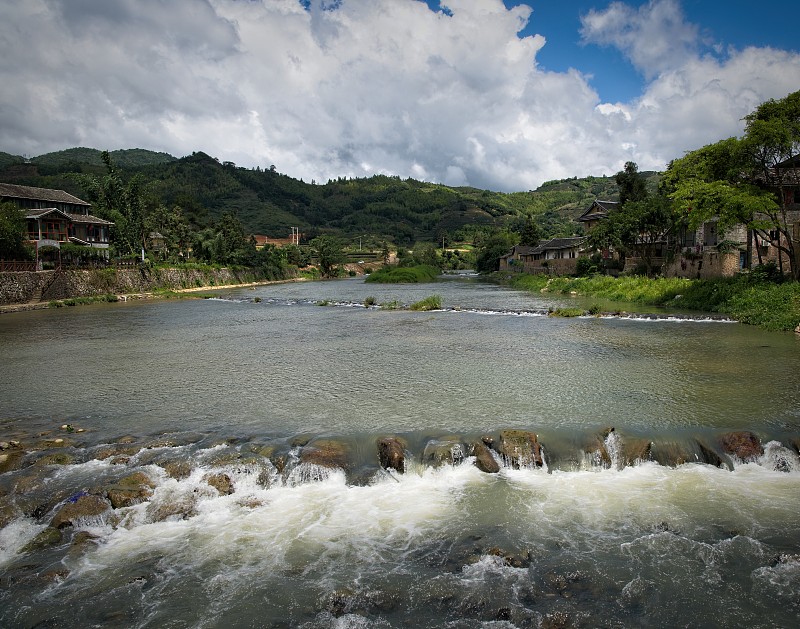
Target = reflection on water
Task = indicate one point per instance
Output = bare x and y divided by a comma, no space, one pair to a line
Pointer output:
202,411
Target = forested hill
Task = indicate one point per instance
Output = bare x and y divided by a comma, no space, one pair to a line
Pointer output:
268,202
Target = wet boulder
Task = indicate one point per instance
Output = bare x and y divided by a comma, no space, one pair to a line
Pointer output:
44,539
484,460
743,445
392,454
520,448
326,453
709,455
177,469
130,490
182,508
11,460
79,507
221,482
443,451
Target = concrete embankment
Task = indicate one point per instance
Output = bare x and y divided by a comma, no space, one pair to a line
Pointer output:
36,289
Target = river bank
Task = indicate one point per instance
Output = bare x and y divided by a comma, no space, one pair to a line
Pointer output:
747,299
35,291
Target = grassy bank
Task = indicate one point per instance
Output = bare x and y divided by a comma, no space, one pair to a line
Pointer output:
404,274
749,299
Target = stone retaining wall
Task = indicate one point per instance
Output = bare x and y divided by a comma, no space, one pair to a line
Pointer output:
24,287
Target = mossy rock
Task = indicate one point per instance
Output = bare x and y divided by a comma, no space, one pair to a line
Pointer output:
520,448
57,458
177,469
484,460
744,445
85,506
327,453
130,490
46,538
392,453
221,482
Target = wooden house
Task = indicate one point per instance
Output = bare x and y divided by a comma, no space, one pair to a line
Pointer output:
55,217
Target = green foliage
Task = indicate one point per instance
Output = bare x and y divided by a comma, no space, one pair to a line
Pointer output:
329,253
741,180
403,275
566,312
584,266
432,302
638,228
384,208
13,233
632,186
749,298
127,158
487,257
369,302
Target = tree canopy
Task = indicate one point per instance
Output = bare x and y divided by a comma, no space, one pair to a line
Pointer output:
746,180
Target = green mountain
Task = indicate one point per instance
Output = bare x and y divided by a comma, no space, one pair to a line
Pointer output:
267,202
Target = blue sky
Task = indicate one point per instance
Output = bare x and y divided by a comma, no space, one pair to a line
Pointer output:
496,94
721,23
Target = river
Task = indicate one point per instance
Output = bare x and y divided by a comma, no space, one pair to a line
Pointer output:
249,423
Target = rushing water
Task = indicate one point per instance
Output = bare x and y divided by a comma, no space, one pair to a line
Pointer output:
213,406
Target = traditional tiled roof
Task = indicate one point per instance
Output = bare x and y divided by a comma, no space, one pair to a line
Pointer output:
14,191
598,209
88,218
555,244
40,212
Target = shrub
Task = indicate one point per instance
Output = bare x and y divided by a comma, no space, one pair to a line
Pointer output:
403,275
566,312
433,302
369,302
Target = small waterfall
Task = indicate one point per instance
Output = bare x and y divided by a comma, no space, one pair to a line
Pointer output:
779,458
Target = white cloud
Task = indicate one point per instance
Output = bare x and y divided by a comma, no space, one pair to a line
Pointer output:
655,37
366,86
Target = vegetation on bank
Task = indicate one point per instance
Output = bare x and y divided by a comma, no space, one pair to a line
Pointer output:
404,274
758,298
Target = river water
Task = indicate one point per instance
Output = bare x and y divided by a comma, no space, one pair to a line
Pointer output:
653,524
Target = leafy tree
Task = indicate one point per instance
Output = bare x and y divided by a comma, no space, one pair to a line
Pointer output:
531,234
425,253
631,184
121,202
12,233
329,252
638,228
487,257
745,180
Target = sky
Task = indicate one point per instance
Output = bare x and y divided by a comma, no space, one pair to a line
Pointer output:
500,95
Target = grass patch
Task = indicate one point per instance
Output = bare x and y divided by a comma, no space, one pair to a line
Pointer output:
390,305
403,274
567,312
751,299
432,302
82,301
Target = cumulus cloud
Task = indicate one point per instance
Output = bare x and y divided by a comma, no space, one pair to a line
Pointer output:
655,37
357,87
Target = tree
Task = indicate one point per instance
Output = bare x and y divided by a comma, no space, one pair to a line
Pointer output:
329,253
487,258
631,184
12,233
121,202
531,234
747,180
638,228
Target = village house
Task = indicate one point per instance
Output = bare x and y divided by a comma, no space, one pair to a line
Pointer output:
55,217
556,256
